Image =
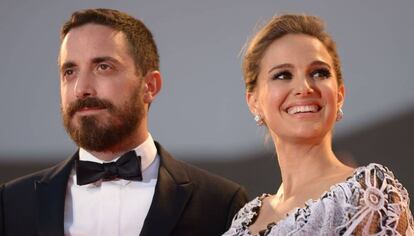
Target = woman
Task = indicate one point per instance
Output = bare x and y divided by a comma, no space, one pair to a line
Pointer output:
294,87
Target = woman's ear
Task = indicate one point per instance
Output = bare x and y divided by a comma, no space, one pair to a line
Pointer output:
152,85
341,96
251,99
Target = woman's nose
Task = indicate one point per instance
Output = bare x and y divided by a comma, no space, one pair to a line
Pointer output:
304,87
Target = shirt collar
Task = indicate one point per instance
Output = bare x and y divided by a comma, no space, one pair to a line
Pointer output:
147,150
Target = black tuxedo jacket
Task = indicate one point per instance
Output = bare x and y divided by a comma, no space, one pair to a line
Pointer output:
187,201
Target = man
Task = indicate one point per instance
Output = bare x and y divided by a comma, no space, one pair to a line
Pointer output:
119,182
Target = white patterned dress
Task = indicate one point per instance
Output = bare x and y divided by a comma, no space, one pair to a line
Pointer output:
370,202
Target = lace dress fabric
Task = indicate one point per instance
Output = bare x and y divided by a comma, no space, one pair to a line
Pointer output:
370,202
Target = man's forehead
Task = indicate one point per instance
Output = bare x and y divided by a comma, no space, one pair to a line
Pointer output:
92,40
92,31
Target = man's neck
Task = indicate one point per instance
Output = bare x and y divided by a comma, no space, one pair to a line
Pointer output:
117,150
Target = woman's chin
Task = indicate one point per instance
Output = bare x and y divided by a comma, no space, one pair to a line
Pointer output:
305,135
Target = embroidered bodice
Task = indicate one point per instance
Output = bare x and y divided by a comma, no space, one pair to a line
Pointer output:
370,202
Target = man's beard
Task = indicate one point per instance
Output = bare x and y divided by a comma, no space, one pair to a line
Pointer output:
101,134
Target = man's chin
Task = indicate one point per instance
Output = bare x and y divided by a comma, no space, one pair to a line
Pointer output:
79,119
88,124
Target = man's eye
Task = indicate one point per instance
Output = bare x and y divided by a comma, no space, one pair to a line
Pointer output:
321,74
103,67
283,75
68,72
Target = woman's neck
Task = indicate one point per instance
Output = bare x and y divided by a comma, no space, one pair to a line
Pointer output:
303,164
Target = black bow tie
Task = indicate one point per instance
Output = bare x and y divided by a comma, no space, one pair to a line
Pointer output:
128,167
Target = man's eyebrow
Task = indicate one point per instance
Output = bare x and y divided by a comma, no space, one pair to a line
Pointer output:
98,60
67,65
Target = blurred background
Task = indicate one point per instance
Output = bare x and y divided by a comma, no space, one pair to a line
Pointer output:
201,116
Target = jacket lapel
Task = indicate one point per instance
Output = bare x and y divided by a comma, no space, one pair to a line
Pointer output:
50,193
172,192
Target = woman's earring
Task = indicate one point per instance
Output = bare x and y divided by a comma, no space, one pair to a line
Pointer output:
258,119
339,114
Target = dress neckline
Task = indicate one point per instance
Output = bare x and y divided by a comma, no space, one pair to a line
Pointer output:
354,177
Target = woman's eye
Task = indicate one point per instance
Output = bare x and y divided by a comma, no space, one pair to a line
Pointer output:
284,75
321,74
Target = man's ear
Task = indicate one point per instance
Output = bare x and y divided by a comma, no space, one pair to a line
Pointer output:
152,85
341,96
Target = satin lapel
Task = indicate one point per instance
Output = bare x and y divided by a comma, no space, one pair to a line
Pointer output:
172,192
50,193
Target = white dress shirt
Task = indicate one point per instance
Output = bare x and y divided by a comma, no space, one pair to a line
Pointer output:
112,208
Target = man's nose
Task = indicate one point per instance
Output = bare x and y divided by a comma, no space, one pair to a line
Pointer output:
85,85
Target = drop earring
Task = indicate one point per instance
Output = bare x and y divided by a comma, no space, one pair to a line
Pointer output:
339,114
258,119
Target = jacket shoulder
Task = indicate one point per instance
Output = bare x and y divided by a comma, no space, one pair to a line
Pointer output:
217,197
182,171
26,180
205,177
23,184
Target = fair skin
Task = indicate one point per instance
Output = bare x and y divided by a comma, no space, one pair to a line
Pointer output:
94,61
297,95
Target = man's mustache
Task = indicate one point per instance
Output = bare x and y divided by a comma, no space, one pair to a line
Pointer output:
89,102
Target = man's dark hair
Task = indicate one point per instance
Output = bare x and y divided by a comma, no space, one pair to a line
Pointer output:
142,45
